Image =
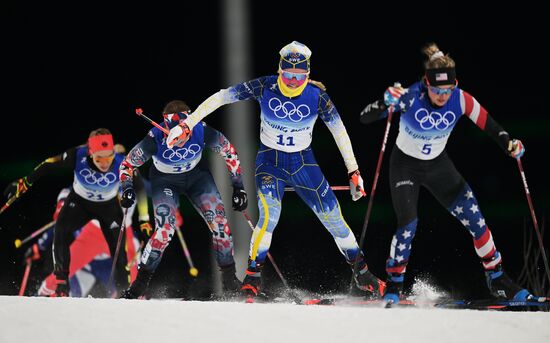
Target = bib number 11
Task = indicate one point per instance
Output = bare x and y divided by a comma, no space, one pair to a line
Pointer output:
289,140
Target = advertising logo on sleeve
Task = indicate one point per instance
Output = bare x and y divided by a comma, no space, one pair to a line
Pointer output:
287,124
179,159
92,184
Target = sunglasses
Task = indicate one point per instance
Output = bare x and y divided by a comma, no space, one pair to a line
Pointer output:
441,91
104,158
175,117
298,76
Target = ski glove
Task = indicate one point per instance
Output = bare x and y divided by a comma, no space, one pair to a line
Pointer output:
393,94
58,207
32,253
240,199
179,218
516,148
17,188
128,197
179,134
356,185
145,227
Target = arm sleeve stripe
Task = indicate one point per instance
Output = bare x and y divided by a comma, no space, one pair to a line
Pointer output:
474,115
473,109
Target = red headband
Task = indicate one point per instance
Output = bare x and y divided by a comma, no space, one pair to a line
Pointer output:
100,142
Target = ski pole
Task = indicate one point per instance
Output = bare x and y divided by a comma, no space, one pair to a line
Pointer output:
117,250
334,188
373,190
277,270
19,243
535,223
8,203
25,277
134,259
139,112
192,270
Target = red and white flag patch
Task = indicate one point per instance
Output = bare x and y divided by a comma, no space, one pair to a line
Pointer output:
441,77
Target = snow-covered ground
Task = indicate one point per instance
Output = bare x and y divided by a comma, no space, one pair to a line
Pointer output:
33,319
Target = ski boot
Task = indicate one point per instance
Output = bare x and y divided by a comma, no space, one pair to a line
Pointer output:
252,283
62,289
368,282
138,288
501,286
394,289
231,285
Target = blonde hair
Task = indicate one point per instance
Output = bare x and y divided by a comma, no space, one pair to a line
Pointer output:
119,149
436,58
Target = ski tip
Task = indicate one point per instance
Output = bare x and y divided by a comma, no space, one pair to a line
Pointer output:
540,299
495,304
249,300
312,301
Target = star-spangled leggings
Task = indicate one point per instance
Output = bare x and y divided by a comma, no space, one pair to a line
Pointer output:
440,177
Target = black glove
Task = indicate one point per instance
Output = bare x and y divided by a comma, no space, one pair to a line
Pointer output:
17,188
128,197
240,200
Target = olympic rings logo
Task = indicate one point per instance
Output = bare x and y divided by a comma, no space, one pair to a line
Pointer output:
288,109
176,155
429,120
103,180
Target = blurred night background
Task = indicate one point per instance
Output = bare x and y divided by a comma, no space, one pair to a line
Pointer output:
69,70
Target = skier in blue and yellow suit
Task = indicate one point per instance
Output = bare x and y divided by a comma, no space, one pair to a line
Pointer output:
290,104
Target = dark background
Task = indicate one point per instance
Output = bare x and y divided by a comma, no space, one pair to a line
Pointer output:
69,70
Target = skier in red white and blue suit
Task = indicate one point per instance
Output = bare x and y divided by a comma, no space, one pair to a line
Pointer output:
429,111
179,170
290,104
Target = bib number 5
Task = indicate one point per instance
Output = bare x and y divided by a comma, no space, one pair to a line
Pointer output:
427,149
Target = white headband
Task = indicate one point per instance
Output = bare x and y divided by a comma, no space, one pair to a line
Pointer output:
438,54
